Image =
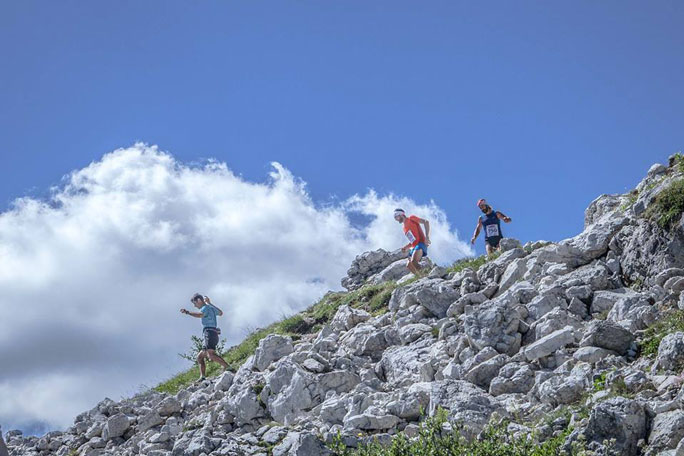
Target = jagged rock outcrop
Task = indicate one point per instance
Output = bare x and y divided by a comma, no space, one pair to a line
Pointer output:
543,329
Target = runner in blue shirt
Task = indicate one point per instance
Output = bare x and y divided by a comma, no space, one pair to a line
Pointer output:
492,226
208,313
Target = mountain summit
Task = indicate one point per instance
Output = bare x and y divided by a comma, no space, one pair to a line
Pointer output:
568,347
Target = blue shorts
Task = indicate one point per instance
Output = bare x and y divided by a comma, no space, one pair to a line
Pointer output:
420,246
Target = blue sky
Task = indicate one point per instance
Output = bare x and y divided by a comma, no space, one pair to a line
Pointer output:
537,106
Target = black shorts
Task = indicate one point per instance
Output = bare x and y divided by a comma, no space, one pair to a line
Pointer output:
494,241
211,338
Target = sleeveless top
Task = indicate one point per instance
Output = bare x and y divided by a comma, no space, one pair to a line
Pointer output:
491,224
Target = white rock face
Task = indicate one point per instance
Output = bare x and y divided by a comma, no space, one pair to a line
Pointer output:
671,353
346,318
271,348
116,426
465,402
667,430
550,343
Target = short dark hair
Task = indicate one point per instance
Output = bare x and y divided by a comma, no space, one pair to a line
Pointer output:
196,296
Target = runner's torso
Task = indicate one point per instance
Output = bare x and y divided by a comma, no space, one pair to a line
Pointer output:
491,225
413,231
209,318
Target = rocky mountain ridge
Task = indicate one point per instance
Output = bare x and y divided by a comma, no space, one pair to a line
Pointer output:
587,331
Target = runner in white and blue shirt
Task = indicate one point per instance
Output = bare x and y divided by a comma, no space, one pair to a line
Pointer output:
491,222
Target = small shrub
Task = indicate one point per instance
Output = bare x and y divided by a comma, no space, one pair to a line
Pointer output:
600,382
669,323
678,162
435,439
197,346
472,263
619,388
372,298
633,196
668,205
258,388
295,324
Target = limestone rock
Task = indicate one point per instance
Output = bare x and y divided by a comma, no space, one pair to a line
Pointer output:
271,348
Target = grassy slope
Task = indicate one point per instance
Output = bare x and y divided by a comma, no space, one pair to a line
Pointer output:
372,298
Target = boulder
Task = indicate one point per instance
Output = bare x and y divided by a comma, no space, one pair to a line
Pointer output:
244,405
541,305
604,300
608,335
398,271
646,251
483,373
367,340
667,429
512,274
288,390
618,418
149,420
368,264
412,403
593,242
347,317
224,382
466,404
116,426
671,353
271,348
410,333
434,295
493,324
405,365
565,388
507,244
512,378
368,421
549,344
303,444
592,355
633,313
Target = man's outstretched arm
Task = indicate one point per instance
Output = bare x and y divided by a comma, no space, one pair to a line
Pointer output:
477,231
192,314
427,230
503,217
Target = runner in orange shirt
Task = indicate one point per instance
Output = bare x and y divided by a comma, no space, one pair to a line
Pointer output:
418,241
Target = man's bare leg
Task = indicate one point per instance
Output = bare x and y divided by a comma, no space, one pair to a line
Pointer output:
414,262
217,359
202,365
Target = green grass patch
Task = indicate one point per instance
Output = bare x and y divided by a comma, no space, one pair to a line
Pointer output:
472,263
432,440
372,298
633,197
668,205
672,321
600,382
678,162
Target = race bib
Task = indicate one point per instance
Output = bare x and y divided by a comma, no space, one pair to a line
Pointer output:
492,230
410,236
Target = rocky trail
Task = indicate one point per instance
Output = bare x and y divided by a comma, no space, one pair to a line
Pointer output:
580,340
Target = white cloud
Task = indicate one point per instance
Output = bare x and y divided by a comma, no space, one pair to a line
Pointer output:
92,280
